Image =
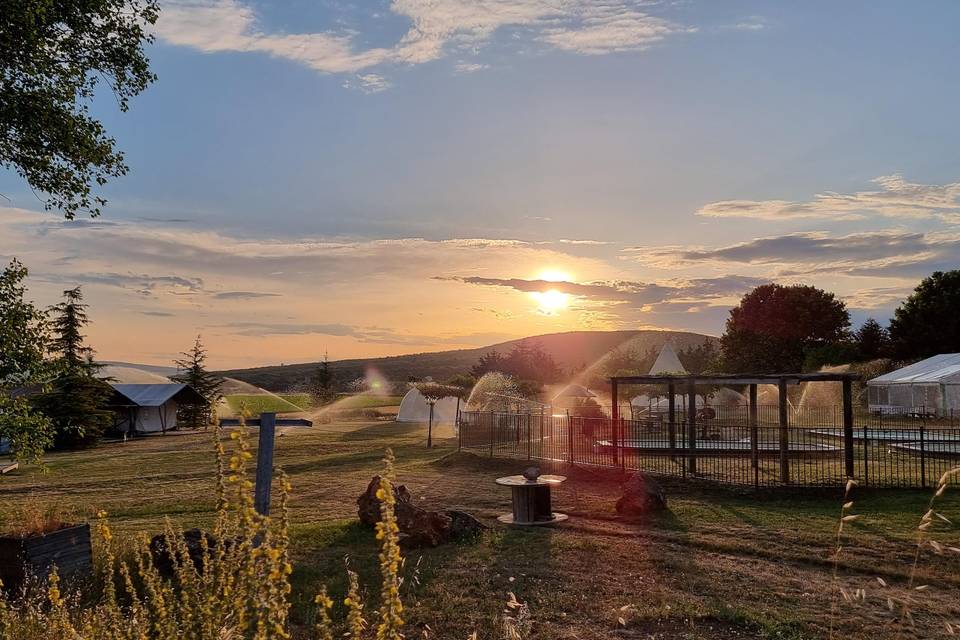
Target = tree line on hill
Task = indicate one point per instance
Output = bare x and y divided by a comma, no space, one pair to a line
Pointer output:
52,391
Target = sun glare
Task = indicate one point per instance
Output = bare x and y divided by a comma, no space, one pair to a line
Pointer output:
551,301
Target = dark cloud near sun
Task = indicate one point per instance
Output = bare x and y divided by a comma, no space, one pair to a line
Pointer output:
696,291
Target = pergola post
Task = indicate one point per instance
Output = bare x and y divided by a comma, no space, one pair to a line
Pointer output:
692,425
754,445
784,433
672,419
848,427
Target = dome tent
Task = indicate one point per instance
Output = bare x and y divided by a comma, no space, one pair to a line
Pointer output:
415,408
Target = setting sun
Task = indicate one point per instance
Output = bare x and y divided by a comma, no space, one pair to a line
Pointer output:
551,301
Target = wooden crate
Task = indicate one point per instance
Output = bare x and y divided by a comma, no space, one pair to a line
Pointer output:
31,557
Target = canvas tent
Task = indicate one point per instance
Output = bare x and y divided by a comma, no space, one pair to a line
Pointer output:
149,408
931,385
414,408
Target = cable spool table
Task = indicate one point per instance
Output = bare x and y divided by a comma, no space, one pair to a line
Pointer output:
530,494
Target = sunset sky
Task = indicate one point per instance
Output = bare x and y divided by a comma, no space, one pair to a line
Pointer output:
375,178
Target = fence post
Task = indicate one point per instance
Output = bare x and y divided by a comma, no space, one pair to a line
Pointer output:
848,442
671,419
923,455
459,428
754,436
492,433
261,493
615,419
784,433
569,438
692,426
528,435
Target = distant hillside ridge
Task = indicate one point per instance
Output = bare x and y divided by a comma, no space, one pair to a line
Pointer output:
572,350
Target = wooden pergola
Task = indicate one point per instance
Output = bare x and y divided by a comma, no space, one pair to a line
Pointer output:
687,384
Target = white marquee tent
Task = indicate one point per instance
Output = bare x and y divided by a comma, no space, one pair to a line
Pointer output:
931,385
414,408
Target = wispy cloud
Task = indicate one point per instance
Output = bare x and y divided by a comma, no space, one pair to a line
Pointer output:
437,27
891,253
368,83
896,198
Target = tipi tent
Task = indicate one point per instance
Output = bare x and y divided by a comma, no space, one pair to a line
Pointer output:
414,408
932,384
667,362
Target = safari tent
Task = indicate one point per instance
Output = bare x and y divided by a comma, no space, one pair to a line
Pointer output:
149,408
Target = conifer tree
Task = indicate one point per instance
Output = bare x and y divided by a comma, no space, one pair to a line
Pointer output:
321,384
76,400
193,372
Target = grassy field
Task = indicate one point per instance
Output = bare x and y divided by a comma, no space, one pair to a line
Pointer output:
256,404
720,564
365,401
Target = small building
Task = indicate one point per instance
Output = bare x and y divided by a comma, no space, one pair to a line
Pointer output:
931,386
150,408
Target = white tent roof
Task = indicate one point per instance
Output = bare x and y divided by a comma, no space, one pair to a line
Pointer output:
153,395
940,369
667,361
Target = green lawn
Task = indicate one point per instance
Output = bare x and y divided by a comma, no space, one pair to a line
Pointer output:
720,564
257,404
365,401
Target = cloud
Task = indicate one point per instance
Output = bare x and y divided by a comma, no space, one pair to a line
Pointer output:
436,28
603,28
145,285
368,83
638,295
470,67
889,254
158,314
243,295
897,198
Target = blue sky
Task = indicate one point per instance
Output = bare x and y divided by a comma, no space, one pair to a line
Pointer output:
385,177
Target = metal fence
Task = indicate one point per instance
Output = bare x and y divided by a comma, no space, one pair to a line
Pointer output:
909,449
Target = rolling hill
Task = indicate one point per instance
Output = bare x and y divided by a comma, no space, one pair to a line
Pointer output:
573,351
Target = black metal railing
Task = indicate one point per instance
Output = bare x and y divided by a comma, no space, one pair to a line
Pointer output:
907,449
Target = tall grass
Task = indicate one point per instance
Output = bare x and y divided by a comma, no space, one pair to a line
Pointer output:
237,587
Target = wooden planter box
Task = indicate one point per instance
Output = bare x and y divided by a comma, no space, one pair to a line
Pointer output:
31,557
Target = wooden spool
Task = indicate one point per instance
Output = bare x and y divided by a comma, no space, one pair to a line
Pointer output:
531,500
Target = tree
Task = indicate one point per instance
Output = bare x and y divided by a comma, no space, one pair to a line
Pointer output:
192,370
872,341
23,344
774,326
76,399
321,384
701,358
53,56
527,360
928,322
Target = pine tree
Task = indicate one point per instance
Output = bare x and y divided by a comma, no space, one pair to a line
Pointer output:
193,372
321,384
76,399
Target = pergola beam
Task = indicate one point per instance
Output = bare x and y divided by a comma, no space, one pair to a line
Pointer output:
744,379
